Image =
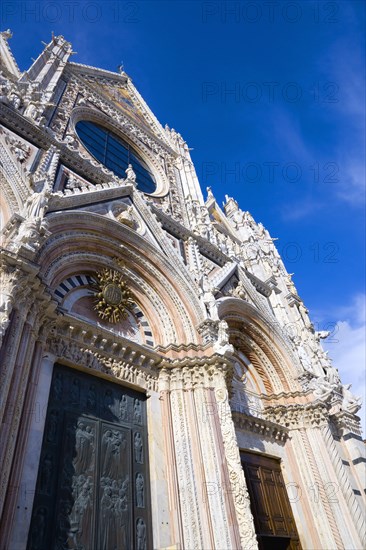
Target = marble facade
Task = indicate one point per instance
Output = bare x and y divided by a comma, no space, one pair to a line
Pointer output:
216,337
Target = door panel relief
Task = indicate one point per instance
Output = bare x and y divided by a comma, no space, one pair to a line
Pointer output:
92,489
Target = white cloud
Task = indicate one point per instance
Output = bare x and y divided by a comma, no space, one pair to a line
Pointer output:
348,349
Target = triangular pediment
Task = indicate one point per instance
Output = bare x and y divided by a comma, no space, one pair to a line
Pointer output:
118,90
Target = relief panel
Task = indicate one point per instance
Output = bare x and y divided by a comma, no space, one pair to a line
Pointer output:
92,488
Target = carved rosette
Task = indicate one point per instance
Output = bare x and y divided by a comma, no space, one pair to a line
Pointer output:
114,297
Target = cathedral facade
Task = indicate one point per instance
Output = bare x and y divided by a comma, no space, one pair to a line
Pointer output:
162,385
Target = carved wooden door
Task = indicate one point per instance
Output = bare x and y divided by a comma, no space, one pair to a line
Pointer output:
92,489
273,519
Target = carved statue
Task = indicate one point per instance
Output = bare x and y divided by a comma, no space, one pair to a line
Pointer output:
332,376
290,284
33,111
131,176
209,193
304,315
15,100
350,403
71,141
126,217
36,205
322,334
321,388
304,356
208,296
240,292
222,344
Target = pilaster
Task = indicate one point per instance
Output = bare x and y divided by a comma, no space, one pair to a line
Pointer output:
210,498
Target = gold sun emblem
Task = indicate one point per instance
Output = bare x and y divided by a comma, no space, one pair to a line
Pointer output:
113,299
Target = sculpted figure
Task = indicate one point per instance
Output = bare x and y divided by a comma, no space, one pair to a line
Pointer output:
240,292
138,447
321,388
123,407
131,176
140,491
350,403
36,205
332,376
15,100
126,217
304,358
208,297
137,412
141,534
222,344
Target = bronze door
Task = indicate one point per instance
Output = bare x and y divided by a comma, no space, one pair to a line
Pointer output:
92,488
273,519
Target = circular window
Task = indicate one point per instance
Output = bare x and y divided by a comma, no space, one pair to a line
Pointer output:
116,154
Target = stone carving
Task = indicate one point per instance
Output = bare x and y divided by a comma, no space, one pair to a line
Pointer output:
322,334
126,217
236,476
321,388
222,344
37,203
240,292
350,402
208,292
332,376
9,285
131,176
20,150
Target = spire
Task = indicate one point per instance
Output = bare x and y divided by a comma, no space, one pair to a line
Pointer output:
47,68
7,60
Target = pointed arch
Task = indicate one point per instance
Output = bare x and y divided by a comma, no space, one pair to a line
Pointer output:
84,242
262,342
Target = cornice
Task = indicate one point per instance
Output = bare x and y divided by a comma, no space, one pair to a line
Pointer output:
101,193
346,422
43,139
95,71
262,426
181,231
296,416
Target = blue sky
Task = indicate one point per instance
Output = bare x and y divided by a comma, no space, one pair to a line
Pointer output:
270,96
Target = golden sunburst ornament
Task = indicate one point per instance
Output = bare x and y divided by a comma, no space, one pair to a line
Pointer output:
113,299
